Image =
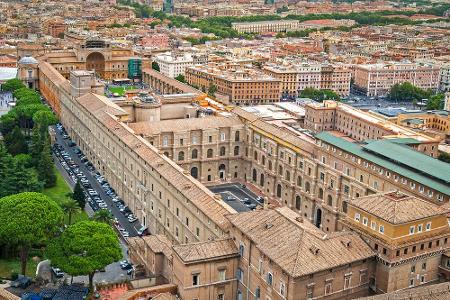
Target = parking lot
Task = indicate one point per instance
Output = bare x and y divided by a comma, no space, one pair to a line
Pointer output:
238,196
99,194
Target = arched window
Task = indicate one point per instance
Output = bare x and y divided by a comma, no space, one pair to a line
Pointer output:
280,170
307,187
261,180
255,155
166,153
194,154
222,151
330,200
320,193
209,153
263,160
236,150
181,155
279,190
288,175
236,136
299,181
298,202
254,175
194,172
270,165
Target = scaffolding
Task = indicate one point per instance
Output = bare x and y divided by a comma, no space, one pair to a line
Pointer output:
135,69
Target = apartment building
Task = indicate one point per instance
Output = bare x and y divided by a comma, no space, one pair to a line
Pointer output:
377,79
361,126
266,26
297,77
235,84
314,178
173,64
408,234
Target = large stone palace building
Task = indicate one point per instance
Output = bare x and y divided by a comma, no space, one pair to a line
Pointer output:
159,151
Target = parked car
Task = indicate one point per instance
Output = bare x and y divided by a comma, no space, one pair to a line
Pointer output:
57,272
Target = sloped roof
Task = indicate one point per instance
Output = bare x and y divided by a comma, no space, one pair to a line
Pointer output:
297,246
397,208
409,171
210,250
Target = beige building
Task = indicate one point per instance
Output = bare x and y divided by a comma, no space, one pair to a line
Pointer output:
266,26
313,176
408,234
235,84
297,77
377,79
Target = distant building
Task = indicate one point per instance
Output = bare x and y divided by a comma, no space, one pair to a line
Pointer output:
377,79
174,64
266,26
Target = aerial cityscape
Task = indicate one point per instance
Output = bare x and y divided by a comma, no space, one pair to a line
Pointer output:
224,150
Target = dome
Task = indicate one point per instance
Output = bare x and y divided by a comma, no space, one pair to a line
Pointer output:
27,60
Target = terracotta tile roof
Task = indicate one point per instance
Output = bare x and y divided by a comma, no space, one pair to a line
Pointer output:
96,103
440,291
297,246
171,81
156,128
397,208
159,244
199,195
210,250
164,296
5,295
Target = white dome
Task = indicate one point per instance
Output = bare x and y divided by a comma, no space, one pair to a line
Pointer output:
27,60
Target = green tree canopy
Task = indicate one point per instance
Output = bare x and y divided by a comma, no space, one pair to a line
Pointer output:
70,207
28,219
436,102
155,66
45,167
319,95
12,85
406,91
212,89
181,78
15,142
103,215
78,195
85,247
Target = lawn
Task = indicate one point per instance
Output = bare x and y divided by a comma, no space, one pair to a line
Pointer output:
120,89
8,266
59,194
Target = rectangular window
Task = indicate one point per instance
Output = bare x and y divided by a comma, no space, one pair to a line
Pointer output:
282,289
422,279
309,292
347,282
365,221
240,274
241,250
419,228
373,225
328,288
413,269
411,282
222,275
195,279
220,297
428,226
357,217
381,228
412,229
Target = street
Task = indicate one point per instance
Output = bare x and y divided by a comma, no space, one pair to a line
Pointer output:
132,228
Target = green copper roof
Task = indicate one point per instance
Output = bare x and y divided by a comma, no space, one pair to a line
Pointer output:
399,159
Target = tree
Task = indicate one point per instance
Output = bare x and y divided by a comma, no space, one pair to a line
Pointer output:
445,157
181,78
12,85
44,118
407,92
28,219
319,95
85,247
212,89
44,167
103,215
155,66
70,207
78,195
15,142
436,102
